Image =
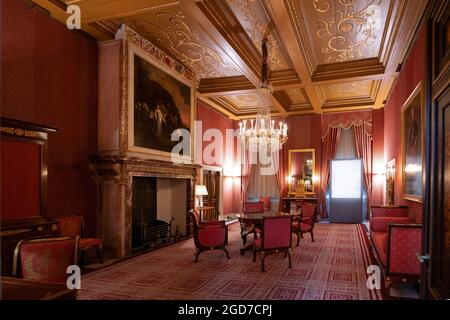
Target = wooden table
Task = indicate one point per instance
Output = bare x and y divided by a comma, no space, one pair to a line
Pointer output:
21,289
257,219
287,201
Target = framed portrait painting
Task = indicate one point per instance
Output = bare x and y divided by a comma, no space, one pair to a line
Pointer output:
412,126
161,109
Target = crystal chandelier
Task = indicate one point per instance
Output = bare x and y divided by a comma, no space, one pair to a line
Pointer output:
262,133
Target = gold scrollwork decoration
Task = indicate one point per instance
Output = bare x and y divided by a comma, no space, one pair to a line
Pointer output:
171,31
351,30
257,30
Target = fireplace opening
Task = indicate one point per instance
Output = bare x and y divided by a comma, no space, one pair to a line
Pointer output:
159,211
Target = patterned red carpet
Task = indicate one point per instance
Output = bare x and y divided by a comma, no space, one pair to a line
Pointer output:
333,267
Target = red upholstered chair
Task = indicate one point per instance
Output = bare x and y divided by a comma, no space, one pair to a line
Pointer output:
305,224
276,236
209,235
266,203
249,228
71,226
45,259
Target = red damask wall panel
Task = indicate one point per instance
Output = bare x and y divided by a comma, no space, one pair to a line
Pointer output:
212,119
413,71
21,179
49,76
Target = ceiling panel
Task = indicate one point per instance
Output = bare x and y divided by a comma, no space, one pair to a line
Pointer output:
296,95
324,55
345,30
179,35
256,22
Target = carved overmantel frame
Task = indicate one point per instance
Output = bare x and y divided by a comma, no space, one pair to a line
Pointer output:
114,178
117,161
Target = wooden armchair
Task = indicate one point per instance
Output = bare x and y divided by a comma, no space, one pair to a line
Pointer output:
45,259
305,224
276,236
71,226
210,235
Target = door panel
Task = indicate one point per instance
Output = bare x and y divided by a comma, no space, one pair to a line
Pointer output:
440,222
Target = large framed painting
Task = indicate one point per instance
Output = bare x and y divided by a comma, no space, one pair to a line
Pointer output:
160,108
412,126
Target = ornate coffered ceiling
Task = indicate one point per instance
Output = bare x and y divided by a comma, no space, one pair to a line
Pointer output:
324,55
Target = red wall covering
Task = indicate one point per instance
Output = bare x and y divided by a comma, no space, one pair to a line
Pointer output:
413,71
304,132
49,76
212,119
20,175
379,163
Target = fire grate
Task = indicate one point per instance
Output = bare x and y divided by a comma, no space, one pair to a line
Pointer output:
158,233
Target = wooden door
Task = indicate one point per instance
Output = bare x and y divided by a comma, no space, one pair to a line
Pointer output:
436,253
211,179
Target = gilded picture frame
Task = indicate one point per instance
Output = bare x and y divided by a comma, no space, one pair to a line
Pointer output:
136,57
412,144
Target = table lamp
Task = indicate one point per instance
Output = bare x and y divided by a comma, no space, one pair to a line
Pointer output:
200,191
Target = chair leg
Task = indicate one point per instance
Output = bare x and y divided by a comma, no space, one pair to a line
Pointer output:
263,256
312,236
197,253
226,252
99,253
289,257
244,240
298,239
254,253
387,288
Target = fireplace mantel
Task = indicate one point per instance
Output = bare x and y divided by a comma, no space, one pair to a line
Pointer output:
114,178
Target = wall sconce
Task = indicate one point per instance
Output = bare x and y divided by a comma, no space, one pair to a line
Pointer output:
289,180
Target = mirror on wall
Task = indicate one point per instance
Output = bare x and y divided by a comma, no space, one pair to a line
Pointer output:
301,171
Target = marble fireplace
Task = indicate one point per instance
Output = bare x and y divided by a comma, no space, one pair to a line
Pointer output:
119,160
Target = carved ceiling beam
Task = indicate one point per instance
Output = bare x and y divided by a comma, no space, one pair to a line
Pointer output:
96,10
218,107
226,27
225,85
280,16
222,19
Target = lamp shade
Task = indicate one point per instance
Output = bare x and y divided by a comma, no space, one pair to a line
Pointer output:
200,190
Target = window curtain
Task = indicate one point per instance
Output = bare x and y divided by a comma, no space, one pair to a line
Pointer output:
246,173
281,175
262,185
363,139
329,147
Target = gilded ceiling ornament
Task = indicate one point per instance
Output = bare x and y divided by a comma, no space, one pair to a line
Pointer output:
346,89
296,95
256,30
171,31
350,28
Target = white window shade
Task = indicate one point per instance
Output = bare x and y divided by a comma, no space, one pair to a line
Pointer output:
346,179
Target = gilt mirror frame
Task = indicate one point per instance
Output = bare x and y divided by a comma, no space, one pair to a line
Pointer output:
313,152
